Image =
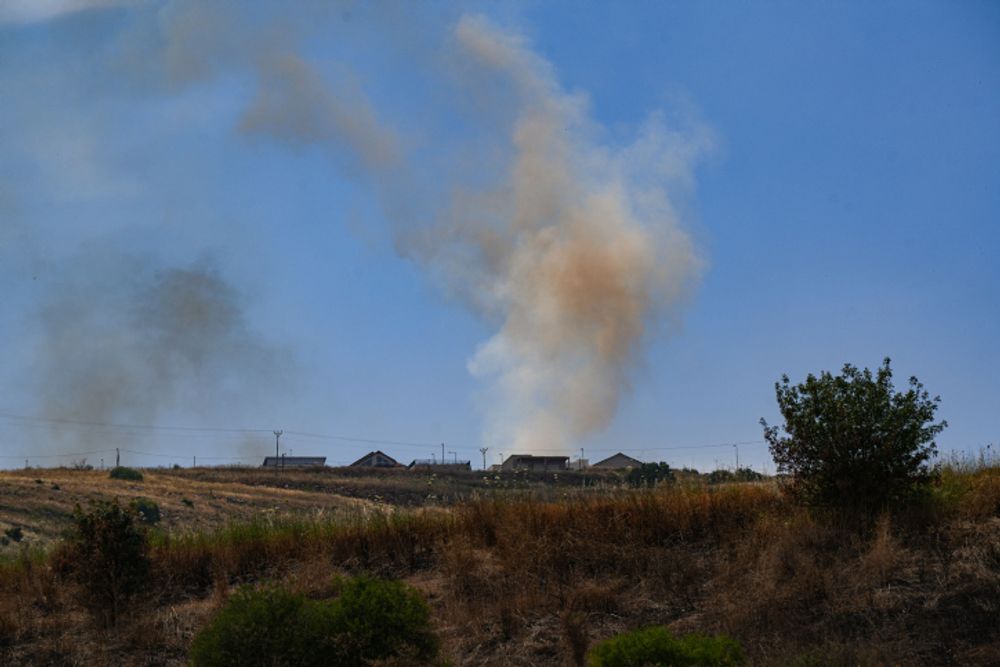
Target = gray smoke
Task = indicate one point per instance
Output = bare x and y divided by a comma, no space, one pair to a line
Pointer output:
494,178
120,342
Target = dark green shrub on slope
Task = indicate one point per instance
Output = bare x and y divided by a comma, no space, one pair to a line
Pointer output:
656,647
371,620
128,474
107,551
852,442
147,510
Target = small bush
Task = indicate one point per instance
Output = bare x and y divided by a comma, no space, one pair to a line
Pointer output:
147,510
741,475
658,648
371,620
129,474
107,555
187,502
721,477
650,474
382,619
15,533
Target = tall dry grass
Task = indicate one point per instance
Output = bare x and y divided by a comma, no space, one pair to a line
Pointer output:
515,580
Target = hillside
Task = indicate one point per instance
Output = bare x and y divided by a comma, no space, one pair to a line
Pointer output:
514,579
40,502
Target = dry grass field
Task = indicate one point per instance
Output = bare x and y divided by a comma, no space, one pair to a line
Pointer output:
41,501
516,577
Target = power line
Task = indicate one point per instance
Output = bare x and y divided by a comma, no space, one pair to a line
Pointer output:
32,420
373,441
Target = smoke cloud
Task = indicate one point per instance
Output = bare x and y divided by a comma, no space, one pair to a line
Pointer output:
571,245
126,343
493,178
588,256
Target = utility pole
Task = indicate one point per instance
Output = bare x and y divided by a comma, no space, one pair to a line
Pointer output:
277,436
737,448
117,457
581,459
194,461
442,453
483,450
454,456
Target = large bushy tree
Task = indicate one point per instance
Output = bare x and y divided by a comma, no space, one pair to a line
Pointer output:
853,442
108,554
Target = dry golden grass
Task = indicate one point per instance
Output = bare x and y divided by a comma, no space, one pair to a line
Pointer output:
41,502
523,581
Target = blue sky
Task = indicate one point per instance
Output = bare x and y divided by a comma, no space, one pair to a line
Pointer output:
831,171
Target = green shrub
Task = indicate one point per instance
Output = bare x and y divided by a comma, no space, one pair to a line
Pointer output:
852,442
721,477
741,475
129,474
650,474
108,557
371,620
269,626
15,533
147,510
656,647
381,619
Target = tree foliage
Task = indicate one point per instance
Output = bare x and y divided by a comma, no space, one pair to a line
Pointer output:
650,474
108,550
852,441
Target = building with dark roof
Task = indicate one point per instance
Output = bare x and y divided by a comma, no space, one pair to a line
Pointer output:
535,463
376,459
294,461
617,462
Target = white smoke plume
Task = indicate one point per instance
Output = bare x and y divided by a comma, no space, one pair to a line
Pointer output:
568,241
588,252
493,177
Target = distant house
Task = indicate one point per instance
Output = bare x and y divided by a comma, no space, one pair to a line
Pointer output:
294,461
535,463
617,462
433,464
376,459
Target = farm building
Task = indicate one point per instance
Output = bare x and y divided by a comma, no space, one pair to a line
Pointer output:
294,461
617,462
535,463
376,459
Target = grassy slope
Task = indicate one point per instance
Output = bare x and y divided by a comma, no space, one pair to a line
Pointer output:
43,511
520,581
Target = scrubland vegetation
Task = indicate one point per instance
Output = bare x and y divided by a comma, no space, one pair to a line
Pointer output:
516,580
864,554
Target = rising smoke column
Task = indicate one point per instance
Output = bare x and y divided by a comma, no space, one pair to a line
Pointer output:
589,254
570,244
